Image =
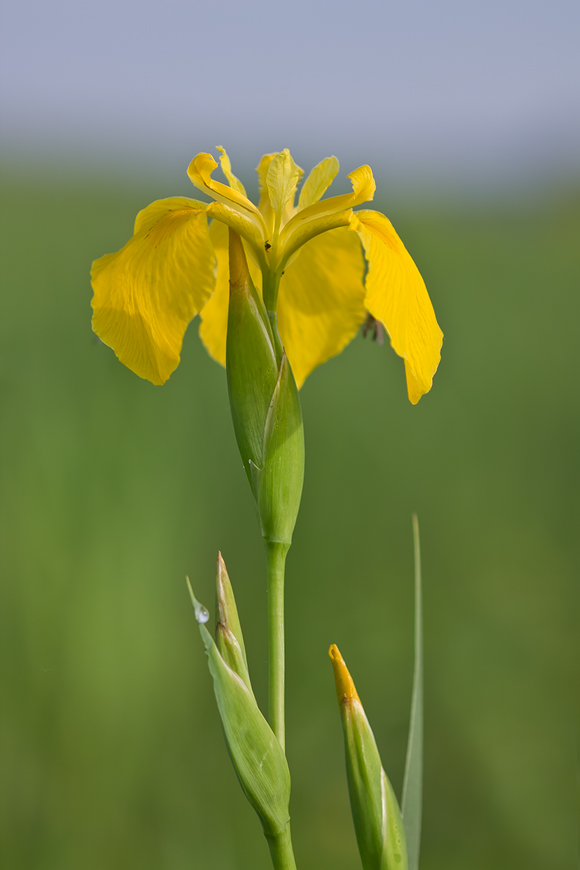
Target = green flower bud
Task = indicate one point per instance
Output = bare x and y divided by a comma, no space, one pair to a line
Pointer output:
229,638
265,406
254,748
377,818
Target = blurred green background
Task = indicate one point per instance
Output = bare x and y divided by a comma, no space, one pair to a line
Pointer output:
112,490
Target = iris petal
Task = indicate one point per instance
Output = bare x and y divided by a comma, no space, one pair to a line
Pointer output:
226,166
146,294
321,300
363,190
318,182
199,172
396,295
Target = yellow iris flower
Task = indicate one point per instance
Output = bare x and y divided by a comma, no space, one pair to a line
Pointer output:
306,259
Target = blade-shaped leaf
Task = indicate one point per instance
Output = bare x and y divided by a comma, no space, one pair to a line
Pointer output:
413,782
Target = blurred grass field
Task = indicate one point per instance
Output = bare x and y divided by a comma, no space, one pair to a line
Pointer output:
112,490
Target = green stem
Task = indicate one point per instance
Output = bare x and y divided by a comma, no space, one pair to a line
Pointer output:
276,562
281,850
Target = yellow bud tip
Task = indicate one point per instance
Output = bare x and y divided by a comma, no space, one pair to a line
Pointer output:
238,263
345,690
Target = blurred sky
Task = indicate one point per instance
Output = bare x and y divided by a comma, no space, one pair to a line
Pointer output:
443,90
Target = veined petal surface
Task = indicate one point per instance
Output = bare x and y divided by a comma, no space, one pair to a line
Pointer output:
396,295
321,300
214,316
146,294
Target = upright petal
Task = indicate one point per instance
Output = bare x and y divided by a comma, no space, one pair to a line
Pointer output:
321,300
282,179
318,182
265,204
146,294
396,295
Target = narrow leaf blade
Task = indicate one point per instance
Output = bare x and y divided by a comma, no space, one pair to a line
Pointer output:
413,782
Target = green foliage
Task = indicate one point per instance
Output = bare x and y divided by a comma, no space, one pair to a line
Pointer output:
412,802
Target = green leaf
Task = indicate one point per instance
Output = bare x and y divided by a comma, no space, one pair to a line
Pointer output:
413,782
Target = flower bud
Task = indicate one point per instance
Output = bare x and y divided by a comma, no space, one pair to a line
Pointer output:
377,818
256,753
229,638
265,405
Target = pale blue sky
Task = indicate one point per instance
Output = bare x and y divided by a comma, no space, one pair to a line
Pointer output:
445,90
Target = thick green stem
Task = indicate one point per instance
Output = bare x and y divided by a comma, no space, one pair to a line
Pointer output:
281,850
276,562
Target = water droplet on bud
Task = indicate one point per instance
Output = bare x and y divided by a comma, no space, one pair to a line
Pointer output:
201,612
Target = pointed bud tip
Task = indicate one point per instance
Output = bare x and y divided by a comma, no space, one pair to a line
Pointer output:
345,689
201,612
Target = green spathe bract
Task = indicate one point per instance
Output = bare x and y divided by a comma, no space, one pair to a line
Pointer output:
278,485
229,637
265,405
376,815
255,750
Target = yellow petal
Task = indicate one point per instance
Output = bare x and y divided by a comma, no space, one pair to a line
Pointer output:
345,688
318,182
265,204
397,296
363,190
227,171
321,300
146,294
199,172
242,224
282,178
214,316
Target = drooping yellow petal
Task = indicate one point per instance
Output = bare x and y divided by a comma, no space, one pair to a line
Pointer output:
146,294
363,190
282,179
318,182
214,315
321,300
396,295
199,172
227,171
